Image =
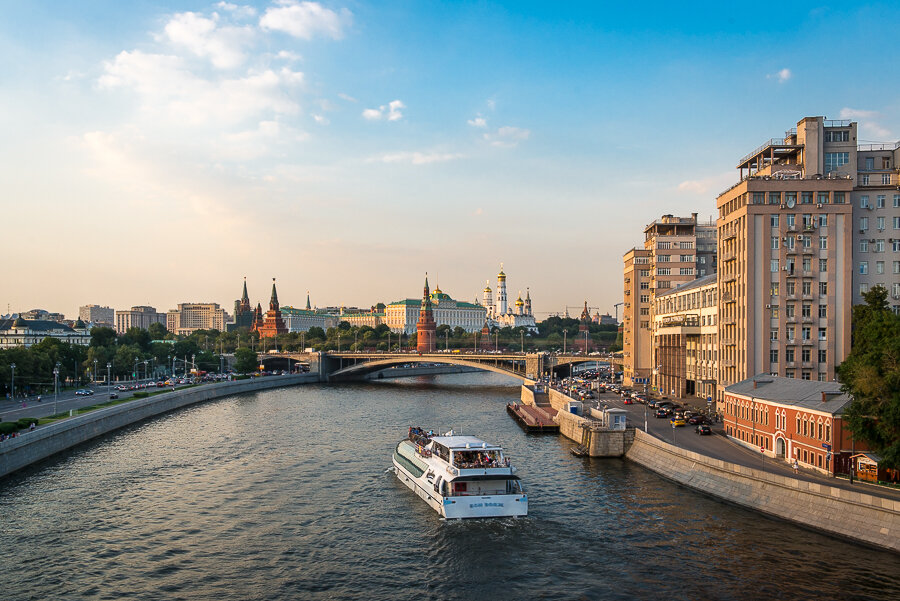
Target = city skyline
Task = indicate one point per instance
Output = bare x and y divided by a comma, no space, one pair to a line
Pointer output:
346,148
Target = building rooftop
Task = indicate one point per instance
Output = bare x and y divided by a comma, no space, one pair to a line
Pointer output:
806,394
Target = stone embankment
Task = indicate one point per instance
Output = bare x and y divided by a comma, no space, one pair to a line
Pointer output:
32,447
848,514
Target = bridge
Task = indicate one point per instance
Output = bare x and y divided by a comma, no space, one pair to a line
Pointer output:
348,366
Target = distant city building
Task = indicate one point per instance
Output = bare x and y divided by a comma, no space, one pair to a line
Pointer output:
28,332
365,318
272,324
190,317
501,314
243,312
426,328
138,317
584,337
789,419
402,316
301,320
604,320
42,315
97,315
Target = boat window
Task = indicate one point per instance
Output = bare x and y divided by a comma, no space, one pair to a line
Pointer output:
477,459
437,484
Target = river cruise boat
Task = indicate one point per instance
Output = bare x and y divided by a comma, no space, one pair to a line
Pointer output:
460,476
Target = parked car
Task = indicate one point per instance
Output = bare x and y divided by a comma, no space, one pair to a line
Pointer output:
703,429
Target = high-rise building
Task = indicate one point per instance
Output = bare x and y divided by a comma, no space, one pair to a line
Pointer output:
876,227
636,317
97,315
138,317
785,234
189,317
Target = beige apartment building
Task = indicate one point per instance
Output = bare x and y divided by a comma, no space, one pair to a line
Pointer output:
636,317
785,234
189,317
685,339
138,317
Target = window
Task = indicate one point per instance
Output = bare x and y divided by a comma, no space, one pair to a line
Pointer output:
823,220
823,356
822,333
880,222
896,266
838,198
863,202
805,333
895,290
837,135
789,355
879,201
806,198
806,264
774,197
645,311
823,265
823,242
806,310
805,355
663,258
774,242
897,201
791,289
685,245
687,258
879,267
663,271
663,245
870,163
823,288
807,287
863,246
823,311
885,179
863,288
645,298
885,162
645,273
895,246
774,265
823,198
789,243
773,289
791,219
773,334
773,220
807,241
758,198
864,179
863,267
789,310
897,223
686,271
645,285
773,355
833,160
879,245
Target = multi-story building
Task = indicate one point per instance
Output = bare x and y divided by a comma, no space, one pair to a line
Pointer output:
790,419
785,256
189,317
97,315
42,315
876,227
402,316
636,317
685,339
138,317
27,332
301,320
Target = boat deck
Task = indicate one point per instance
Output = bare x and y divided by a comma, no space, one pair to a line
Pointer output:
534,419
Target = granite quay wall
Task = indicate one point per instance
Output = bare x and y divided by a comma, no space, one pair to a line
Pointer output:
844,513
599,442
43,442
559,399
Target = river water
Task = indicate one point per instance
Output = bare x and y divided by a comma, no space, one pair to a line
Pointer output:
287,494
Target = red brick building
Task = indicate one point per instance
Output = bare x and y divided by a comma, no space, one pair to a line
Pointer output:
791,419
273,323
426,328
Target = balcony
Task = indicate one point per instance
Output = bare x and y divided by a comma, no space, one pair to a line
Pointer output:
729,256
727,297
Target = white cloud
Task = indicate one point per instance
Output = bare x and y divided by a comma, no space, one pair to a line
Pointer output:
347,97
417,158
237,11
781,76
288,55
223,46
869,125
321,119
477,122
390,111
707,185
305,19
167,88
507,136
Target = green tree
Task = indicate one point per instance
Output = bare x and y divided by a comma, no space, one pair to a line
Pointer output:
157,331
871,375
245,360
138,337
103,337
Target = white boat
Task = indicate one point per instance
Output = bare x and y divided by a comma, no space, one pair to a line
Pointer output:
460,476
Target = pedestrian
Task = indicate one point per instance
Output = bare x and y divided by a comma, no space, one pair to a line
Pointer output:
796,466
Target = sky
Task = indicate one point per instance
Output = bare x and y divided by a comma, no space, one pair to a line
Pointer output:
157,152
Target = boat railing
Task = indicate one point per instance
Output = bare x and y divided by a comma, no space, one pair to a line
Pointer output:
485,493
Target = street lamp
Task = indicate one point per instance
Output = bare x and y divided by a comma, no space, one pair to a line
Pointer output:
108,366
522,341
146,362
95,371
565,337
12,381
55,387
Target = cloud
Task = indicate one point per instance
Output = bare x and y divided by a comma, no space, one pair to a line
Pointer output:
416,158
707,185
223,46
347,97
781,76
390,111
166,87
868,122
477,122
321,119
237,11
306,19
507,136
288,55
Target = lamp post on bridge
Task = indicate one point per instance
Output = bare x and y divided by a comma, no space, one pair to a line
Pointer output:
55,387
522,341
12,381
95,370
565,336
108,366
447,340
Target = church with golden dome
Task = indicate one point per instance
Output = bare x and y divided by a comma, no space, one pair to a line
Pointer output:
501,314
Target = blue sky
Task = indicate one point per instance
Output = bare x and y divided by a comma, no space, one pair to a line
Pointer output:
157,152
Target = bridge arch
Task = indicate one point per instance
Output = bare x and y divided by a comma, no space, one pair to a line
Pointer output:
365,366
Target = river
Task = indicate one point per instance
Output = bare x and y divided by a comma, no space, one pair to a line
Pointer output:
287,494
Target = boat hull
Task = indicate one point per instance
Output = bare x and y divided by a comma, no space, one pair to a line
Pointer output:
463,506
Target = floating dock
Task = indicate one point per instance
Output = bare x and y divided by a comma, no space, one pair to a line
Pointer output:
534,419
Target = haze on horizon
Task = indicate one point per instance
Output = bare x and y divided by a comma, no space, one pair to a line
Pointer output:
158,152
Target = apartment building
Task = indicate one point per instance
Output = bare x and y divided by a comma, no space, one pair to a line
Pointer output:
876,227
685,339
138,317
189,317
636,317
96,314
785,256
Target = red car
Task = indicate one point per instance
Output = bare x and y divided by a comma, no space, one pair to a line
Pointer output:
629,401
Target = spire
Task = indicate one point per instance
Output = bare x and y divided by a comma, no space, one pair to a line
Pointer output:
308,307
245,298
427,294
273,302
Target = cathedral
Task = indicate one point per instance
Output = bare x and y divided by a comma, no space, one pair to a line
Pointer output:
501,314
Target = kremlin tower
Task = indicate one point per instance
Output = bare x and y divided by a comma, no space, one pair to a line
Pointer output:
501,292
488,299
273,323
584,337
426,328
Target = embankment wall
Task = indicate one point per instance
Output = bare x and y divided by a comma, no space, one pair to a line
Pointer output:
848,514
43,442
603,443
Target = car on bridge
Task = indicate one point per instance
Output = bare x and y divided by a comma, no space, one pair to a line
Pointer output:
84,392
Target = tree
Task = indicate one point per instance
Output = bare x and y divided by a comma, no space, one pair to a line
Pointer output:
245,360
871,375
103,337
157,331
136,336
